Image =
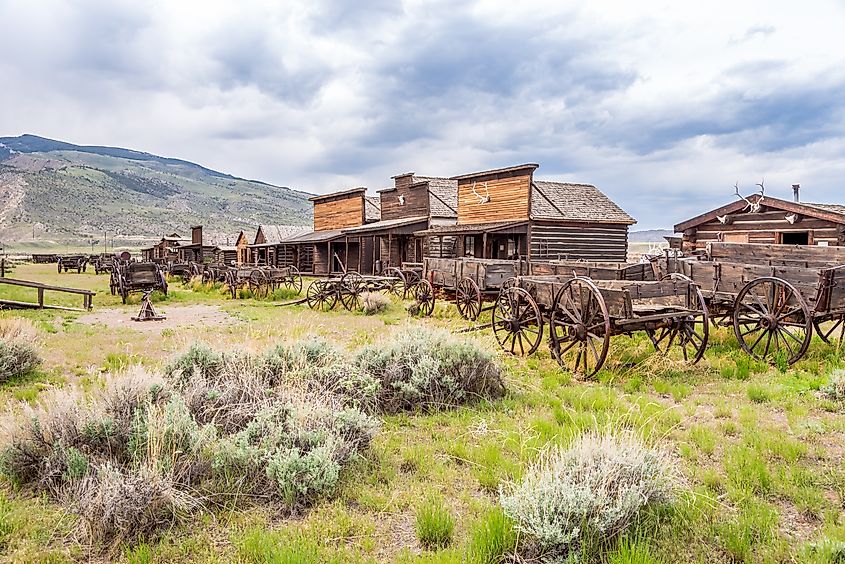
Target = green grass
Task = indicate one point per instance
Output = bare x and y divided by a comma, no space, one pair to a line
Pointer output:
759,447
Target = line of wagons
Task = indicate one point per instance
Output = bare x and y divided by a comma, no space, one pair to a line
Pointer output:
774,297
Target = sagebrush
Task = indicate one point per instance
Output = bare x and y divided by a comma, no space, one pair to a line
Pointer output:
588,493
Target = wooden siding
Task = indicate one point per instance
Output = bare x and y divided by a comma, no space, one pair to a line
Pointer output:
416,202
440,246
509,199
585,241
339,213
765,226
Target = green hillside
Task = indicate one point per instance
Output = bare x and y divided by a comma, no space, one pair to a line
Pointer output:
53,192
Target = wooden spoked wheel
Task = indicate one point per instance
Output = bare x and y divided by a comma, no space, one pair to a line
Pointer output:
320,297
517,322
688,333
398,285
772,320
121,288
259,283
424,297
293,281
580,327
468,299
827,334
351,287
232,283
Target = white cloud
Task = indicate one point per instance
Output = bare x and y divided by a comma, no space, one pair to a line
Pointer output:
662,104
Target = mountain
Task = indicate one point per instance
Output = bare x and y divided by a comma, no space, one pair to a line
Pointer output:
649,236
57,191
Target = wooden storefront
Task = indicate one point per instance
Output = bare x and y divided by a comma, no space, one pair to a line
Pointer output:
763,219
507,214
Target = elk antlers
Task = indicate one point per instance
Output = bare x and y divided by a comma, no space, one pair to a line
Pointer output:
481,199
754,207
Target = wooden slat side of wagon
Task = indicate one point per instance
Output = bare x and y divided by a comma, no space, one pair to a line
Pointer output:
637,271
583,314
774,296
138,277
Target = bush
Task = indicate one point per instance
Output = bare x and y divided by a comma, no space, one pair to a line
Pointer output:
835,388
434,525
17,329
588,493
17,357
374,302
199,359
425,368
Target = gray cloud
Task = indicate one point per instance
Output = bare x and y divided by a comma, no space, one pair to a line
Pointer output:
326,94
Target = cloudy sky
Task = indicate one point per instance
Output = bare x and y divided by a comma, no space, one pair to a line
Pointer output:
663,105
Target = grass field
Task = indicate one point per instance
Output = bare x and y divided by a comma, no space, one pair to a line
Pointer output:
761,450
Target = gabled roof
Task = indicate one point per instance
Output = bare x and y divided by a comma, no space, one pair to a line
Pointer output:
567,201
442,195
275,234
834,213
372,208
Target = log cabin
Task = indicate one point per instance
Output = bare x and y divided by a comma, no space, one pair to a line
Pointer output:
327,249
242,245
164,251
506,214
412,204
196,250
267,248
764,219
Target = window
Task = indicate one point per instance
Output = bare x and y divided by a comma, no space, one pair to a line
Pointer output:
795,238
469,246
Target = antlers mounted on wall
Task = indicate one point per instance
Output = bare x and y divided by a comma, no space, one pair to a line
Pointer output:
481,199
754,207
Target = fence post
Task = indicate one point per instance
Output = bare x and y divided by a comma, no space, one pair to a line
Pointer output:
40,298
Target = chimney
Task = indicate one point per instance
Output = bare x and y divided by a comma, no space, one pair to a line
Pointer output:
796,189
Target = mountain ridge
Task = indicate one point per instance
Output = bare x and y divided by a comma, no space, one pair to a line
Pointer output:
56,190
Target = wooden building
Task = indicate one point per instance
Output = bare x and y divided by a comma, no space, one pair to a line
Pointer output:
327,248
242,248
267,248
763,219
164,251
196,250
412,204
506,214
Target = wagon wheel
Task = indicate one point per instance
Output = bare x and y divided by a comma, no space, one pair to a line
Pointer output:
580,327
259,283
207,276
294,280
122,289
399,286
517,322
319,297
772,318
113,283
162,282
424,297
351,287
689,333
468,299
825,334
411,277
59,265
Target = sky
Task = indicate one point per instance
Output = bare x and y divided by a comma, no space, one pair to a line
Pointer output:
664,106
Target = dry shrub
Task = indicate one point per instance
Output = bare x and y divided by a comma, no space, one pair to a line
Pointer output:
117,505
835,387
429,368
589,492
17,328
373,303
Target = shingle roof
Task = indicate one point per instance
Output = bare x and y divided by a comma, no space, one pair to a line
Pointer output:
315,237
835,208
385,224
442,195
565,201
372,208
278,233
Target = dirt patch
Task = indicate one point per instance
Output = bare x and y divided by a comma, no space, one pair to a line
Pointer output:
177,317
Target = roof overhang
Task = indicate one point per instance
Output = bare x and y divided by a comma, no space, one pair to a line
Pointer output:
739,205
476,228
407,224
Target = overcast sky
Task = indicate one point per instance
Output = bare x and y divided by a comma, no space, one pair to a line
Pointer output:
662,105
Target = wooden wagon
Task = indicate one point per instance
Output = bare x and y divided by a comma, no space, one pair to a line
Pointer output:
137,277
326,293
583,314
468,281
79,263
774,296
